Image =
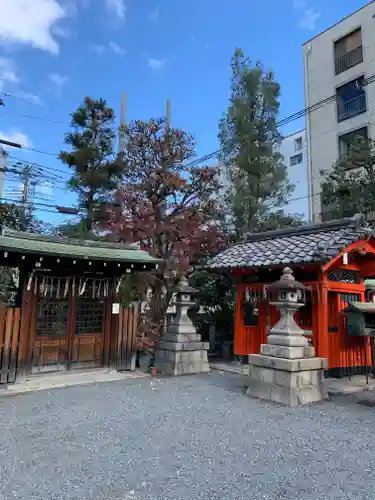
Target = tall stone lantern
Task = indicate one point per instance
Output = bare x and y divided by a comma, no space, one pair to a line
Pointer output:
286,370
181,349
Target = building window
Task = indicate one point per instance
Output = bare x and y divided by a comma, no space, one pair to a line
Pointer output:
348,51
347,141
298,144
351,99
296,159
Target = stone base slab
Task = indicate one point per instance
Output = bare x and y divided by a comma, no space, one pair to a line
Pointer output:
288,340
288,352
178,362
291,388
183,346
290,365
182,337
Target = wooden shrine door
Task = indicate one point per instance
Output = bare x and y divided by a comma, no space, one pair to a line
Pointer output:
51,342
69,329
88,322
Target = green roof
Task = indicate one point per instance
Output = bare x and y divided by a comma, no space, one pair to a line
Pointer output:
361,307
370,283
26,243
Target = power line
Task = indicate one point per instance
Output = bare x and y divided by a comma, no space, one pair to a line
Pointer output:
31,117
44,167
287,120
18,98
280,123
39,204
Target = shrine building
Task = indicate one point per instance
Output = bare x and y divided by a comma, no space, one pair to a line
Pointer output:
66,313
332,259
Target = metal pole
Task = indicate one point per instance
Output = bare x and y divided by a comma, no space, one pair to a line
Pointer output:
2,168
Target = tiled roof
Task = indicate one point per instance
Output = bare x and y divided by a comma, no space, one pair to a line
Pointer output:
27,243
310,243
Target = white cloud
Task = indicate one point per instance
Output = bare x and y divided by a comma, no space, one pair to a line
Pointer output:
118,7
309,18
17,137
57,79
156,64
110,47
307,14
99,49
31,23
116,49
28,96
73,7
62,32
154,16
7,72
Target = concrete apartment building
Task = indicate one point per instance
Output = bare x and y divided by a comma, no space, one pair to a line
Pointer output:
294,152
339,63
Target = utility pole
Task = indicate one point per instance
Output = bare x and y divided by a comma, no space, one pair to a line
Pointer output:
121,142
28,189
168,115
2,171
3,160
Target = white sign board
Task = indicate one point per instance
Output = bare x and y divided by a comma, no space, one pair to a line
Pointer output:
116,308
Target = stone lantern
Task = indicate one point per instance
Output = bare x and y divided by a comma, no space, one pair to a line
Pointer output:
181,349
287,295
286,370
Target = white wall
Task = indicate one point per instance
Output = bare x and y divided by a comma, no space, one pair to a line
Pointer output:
297,173
320,83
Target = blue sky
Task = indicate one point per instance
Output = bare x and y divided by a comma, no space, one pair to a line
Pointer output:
55,52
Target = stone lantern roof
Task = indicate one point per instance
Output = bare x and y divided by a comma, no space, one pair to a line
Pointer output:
287,282
184,287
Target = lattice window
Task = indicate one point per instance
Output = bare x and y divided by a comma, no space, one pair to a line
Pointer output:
250,307
344,276
52,317
89,312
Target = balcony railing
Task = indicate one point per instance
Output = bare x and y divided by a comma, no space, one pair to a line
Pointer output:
351,108
348,60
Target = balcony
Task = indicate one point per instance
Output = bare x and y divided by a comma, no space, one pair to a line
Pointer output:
348,60
350,108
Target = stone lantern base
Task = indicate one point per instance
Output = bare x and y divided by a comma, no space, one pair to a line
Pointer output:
182,354
283,375
181,350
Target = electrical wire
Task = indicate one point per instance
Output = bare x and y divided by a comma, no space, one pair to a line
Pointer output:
44,167
47,205
208,156
280,123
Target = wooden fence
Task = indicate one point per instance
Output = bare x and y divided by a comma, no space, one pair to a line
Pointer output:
126,338
10,321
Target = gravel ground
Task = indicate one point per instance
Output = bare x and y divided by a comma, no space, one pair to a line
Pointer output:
182,438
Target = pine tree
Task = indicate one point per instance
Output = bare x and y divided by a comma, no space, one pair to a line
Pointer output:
350,187
96,168
249,137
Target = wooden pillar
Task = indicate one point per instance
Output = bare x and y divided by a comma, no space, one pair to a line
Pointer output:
114,340
107,352
322,347
26,303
